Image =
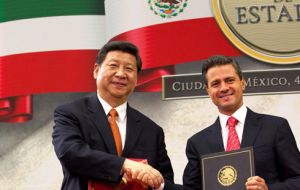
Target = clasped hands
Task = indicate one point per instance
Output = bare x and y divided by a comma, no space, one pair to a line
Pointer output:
142,173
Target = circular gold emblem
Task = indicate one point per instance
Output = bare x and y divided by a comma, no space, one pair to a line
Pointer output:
227,175
267,30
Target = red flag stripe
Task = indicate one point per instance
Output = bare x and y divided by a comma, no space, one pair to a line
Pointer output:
42,72
16,109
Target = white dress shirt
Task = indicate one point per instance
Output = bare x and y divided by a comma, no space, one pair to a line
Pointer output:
121,119
240,115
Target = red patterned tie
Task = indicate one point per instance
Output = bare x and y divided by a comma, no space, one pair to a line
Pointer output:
233,142
115,130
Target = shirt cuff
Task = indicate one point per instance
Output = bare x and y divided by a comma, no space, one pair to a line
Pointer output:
161,187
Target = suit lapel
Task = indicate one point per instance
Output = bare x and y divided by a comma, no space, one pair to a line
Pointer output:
98,116
215,138
251,129
133,130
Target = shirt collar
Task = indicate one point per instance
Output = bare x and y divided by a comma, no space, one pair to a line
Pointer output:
239,114
121,109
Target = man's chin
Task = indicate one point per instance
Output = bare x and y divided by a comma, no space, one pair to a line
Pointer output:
226,105
120,93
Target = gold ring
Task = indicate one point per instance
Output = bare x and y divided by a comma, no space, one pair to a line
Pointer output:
123,181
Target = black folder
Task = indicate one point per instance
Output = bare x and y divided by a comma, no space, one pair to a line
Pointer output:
227,170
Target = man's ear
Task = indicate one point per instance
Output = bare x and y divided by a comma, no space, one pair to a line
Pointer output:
243,84
96,70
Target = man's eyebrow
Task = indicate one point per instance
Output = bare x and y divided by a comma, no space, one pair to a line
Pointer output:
214,81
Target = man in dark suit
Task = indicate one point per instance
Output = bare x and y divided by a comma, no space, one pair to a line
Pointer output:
276,156
84,142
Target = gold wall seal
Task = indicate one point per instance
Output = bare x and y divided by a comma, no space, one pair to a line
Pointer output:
268,30
227,175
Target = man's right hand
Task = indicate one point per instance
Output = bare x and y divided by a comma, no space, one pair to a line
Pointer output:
143,173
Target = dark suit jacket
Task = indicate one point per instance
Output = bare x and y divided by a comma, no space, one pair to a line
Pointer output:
276,155
84,144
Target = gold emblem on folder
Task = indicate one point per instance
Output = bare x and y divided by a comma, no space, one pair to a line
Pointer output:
227,175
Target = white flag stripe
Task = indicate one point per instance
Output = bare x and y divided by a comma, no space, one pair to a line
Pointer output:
52,33
126,15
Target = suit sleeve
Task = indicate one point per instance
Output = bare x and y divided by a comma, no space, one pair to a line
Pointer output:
192,176
288,159
76,156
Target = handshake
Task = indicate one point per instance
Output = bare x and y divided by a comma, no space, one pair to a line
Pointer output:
142,173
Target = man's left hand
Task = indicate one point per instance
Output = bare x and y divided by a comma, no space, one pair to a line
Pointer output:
256,183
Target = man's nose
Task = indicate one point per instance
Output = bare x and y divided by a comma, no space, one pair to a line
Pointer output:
224,86
121,72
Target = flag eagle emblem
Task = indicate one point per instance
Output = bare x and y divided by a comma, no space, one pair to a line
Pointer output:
167,8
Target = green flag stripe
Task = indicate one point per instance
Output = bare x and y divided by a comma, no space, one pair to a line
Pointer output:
23,9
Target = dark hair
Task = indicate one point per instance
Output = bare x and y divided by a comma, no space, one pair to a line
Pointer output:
219,60
123,46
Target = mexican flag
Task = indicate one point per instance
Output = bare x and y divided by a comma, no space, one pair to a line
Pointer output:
50,46
46,46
